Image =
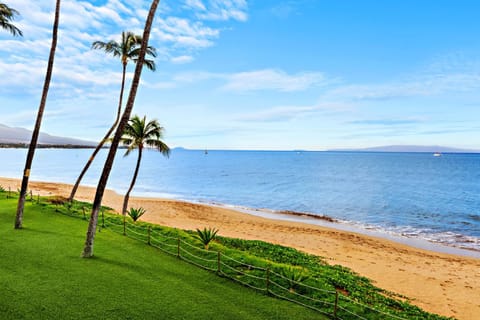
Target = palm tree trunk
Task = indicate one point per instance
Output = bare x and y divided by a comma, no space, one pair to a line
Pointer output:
100,145
102,183
38,122
134,179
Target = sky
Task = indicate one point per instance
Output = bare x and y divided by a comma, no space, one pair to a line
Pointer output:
259,74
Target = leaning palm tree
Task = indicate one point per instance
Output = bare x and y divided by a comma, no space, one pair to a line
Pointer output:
107,168
38,122
8,14
127,50
138,134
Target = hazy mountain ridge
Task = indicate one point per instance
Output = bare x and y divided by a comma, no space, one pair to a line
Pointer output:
10,135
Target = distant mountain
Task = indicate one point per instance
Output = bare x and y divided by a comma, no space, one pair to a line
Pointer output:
412,148
19,136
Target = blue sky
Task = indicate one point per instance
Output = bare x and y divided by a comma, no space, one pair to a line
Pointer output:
260,74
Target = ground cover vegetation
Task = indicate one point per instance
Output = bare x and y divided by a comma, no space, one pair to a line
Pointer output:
269,269
42,276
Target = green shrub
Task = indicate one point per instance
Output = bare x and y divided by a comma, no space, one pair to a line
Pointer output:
207,235
136,213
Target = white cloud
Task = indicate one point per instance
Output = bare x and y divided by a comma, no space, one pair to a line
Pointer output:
219,10
181,59
195,4
284,113
270,79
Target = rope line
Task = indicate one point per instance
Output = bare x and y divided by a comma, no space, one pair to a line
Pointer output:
243,283
197,257
243,263
302,284
197,264
371,308
298,302
243,273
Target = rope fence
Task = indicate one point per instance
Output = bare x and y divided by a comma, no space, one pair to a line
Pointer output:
267,280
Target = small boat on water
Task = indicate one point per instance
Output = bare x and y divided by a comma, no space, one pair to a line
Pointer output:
437,154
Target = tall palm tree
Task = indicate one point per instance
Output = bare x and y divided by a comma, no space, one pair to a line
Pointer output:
38,122
102,183
138,134
8,14
128,49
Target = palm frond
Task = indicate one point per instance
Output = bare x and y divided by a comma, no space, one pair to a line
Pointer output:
7,15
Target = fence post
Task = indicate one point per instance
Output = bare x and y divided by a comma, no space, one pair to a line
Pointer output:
124,226
31,195
149,231
38,198
219,266
178,247
84,215
8,196
268,280
335,308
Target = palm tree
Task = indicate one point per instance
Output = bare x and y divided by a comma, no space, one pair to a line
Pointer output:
38,122
102,183
8,14
138,134
128,49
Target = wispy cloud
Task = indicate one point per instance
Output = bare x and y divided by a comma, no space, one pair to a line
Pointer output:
285,113
219,10
385,122
182,59
271,79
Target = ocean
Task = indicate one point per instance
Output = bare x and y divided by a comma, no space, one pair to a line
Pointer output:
408,195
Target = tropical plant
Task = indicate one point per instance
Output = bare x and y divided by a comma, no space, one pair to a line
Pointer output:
207,235
38,122
294,277
138,134
2,189
8,14
128,49
107,168
136,213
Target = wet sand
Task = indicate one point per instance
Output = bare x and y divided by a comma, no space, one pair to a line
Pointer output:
437,282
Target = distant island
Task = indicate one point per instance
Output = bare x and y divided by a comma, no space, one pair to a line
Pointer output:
411,148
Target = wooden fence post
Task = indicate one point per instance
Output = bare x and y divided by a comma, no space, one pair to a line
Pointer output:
31,195
124,226
219,266
38,198
335,308
9,190
268,280
178,247
149,231
84,215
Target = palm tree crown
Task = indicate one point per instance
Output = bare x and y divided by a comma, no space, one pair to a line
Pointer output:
139,133
8,14
127,49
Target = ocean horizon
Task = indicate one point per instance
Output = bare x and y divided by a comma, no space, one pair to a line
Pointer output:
405,195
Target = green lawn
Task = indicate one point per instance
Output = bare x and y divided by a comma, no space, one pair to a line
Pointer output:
43,277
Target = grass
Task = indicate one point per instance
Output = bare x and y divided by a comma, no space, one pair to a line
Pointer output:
43,277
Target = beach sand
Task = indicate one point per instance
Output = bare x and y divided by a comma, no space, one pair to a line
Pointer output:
440,283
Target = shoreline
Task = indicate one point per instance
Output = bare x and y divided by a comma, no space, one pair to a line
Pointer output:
437,282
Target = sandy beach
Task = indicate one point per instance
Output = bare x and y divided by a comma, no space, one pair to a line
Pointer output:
441,283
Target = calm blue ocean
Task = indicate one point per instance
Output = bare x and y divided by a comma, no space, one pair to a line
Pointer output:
409,194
